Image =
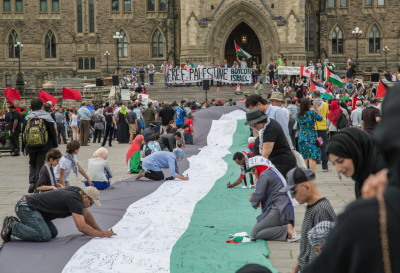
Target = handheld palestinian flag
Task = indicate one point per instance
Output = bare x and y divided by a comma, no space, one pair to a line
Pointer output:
325,93
241,52
332,77
381,90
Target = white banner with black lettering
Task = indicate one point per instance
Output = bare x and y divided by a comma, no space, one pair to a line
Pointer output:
227,75
292,70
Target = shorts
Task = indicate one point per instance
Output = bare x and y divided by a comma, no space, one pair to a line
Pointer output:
132,129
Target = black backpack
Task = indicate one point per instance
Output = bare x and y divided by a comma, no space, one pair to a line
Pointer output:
342,122
147,151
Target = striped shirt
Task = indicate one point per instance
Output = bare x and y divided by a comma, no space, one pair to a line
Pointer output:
319,211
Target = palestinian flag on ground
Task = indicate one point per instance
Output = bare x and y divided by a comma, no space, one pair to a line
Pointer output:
241,52
381,89
332,77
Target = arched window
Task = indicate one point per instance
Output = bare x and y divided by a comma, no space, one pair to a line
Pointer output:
309,25
374,40
158,44
13,52
122,45
337,41
50,45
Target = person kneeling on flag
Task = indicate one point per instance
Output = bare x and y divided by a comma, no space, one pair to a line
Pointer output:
276,222
153,164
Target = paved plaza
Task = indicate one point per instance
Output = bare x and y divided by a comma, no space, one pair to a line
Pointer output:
14,173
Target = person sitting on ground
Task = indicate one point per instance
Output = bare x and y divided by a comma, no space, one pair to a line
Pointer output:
47,180
317,235
149,131
276,222
301,185
36,212
152,146
238,89
187,136
153,164
171,125
168,141
133,155
179,140
69,162
242,159
98,170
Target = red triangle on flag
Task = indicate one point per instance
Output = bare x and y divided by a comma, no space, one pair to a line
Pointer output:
381,89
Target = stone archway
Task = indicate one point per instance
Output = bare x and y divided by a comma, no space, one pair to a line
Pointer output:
233,15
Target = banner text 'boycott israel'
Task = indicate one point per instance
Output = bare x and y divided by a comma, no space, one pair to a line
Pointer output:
227,75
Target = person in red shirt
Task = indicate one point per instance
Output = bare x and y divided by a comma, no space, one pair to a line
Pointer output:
189,134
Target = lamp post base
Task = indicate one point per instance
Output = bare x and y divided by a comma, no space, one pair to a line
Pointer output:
20,83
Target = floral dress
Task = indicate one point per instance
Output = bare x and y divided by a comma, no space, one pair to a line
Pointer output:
308,136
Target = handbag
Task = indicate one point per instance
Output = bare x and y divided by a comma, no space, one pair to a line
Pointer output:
387,268
320,141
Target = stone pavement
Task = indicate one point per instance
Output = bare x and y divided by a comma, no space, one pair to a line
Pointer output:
14,172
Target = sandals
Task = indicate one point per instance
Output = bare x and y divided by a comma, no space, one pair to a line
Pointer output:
292,239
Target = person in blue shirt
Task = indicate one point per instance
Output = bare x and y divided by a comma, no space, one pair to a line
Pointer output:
152,165
180,115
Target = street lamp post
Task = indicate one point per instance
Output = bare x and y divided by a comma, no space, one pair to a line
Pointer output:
386,51
20,83
117,38
107,55
357,33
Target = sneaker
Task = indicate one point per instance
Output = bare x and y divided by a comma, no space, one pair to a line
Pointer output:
296,238
8,223
32,187
244,187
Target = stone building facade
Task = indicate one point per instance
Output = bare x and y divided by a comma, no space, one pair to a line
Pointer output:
66,39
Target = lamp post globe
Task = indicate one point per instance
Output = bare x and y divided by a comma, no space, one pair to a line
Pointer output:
20,83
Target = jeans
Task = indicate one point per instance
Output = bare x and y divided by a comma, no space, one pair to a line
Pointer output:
32,227
151,78
97,135
324,157
61,131
166,81
188,138
109,133
36,162
14,140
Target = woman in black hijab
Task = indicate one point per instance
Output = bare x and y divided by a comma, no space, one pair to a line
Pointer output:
354,154
356,243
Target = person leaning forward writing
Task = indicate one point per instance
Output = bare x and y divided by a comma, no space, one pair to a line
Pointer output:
36,212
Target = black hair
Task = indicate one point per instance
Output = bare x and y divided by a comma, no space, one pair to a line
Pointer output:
53,154
47,107
149,104
253,100
184,126
132,107
178,134
72,146
36,104
238,155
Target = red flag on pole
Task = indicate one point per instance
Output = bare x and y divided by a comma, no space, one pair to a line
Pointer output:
71,94
45,97
11,94
381,90
353,103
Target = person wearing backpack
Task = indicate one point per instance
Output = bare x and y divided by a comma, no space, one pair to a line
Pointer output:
151,146
38,127
98,119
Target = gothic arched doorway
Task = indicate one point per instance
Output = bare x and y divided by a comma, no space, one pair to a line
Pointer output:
247,39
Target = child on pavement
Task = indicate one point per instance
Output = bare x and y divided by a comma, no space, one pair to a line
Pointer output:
47,180
301,185
69,162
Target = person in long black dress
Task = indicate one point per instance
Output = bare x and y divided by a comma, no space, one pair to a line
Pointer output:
123,126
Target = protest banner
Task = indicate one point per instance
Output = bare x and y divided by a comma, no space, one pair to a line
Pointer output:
226,75
292,70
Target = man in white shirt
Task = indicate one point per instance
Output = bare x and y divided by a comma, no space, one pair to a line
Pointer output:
243,63
151,69
356,115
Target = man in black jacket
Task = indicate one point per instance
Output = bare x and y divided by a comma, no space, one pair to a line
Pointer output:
37,155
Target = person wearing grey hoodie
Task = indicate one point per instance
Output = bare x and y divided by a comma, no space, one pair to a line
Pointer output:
37,155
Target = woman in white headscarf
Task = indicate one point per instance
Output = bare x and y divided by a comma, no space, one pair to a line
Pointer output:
98,169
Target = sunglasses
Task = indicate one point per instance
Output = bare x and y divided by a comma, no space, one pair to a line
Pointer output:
90,199
293,192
